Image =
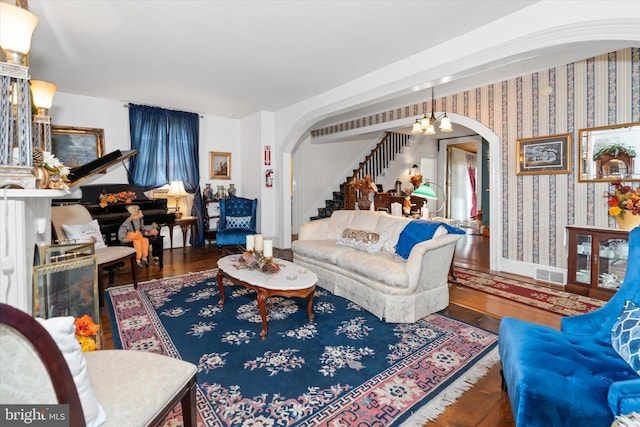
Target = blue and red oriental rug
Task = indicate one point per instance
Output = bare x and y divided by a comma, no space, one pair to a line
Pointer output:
347,368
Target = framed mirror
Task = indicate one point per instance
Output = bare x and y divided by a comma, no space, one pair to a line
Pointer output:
609,152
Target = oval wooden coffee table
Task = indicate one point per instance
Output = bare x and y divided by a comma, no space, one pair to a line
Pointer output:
291,281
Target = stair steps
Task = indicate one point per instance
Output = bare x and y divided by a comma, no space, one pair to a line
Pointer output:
374,164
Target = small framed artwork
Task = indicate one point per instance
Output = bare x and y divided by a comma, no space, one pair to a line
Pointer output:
75,146
544,155
219,165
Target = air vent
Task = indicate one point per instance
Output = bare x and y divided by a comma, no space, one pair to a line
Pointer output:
549,276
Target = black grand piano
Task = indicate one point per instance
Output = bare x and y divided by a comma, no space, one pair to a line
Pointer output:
110,217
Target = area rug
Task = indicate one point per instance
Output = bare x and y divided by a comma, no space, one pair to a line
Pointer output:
560,302
346,368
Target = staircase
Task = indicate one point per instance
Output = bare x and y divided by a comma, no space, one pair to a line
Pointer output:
373,164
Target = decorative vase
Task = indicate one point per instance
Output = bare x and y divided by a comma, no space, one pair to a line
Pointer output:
42,177
220,192
364,203
232,190
629,222
207,193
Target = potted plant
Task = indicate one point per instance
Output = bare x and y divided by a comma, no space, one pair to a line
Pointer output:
366,186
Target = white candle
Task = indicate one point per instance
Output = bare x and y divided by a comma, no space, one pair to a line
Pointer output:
258,242
268,248
250,241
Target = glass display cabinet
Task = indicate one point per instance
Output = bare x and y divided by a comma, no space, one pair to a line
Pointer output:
598,260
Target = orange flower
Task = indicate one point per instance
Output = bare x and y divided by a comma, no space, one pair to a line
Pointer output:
85,326
121,197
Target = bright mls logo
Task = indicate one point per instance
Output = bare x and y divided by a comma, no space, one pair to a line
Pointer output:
34,415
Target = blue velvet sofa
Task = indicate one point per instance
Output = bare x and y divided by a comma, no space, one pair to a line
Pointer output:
574,376
237,221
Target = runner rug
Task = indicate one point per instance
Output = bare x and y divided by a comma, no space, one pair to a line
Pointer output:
345,368
560,302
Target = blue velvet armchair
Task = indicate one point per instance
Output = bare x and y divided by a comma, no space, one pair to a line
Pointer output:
237,221
572,376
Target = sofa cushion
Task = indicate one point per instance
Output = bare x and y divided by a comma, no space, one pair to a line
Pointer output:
381,267
85,233
62,330
338,221
363,240
365,220
393,225
243,222
625,335
321,250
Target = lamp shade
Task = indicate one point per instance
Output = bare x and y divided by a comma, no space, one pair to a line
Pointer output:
425,191
416,127
16,28
177,189
43,93
445,124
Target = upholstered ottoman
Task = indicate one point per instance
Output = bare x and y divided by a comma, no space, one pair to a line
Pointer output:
558,379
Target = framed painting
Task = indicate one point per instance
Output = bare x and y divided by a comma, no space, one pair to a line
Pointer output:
544,155
219,165
75,146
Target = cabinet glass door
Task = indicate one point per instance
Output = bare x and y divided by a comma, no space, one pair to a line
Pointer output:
613,254
583,258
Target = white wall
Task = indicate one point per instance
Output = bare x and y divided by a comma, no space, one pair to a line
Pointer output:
319,169
216,134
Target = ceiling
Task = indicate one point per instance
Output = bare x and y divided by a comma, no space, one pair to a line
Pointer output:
233,58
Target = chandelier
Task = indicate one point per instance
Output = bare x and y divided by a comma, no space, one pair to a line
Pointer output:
427,124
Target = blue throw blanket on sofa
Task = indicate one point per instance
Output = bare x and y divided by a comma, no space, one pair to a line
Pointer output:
418,231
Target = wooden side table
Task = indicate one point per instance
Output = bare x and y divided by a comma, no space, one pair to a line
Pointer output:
184,223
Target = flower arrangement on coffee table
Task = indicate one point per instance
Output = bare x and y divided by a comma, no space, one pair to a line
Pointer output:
253,260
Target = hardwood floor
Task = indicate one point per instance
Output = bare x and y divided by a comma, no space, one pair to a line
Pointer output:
484,405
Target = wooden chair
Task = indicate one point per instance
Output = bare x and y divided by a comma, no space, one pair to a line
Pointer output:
132,387
107,257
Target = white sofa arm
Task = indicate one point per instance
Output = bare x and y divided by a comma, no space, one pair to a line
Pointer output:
429,261
314,230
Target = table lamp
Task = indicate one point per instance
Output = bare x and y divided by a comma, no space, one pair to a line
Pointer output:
177,190
425,191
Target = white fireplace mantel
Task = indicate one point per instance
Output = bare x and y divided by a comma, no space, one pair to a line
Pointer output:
25,221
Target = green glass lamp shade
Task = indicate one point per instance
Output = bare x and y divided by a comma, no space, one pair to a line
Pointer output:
425,191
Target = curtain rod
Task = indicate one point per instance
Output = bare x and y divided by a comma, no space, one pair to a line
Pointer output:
172,109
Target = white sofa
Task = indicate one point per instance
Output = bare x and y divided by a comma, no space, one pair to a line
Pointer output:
390,287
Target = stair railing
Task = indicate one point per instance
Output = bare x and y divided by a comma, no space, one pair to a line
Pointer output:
374,164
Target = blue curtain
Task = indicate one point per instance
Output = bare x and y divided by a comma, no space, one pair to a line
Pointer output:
167,144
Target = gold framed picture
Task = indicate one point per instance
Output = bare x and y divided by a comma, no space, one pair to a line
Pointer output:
219,165
76,146
544,155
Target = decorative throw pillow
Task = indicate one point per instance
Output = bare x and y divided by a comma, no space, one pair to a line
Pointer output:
63,331
85,233
363,240
625,335
239,222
